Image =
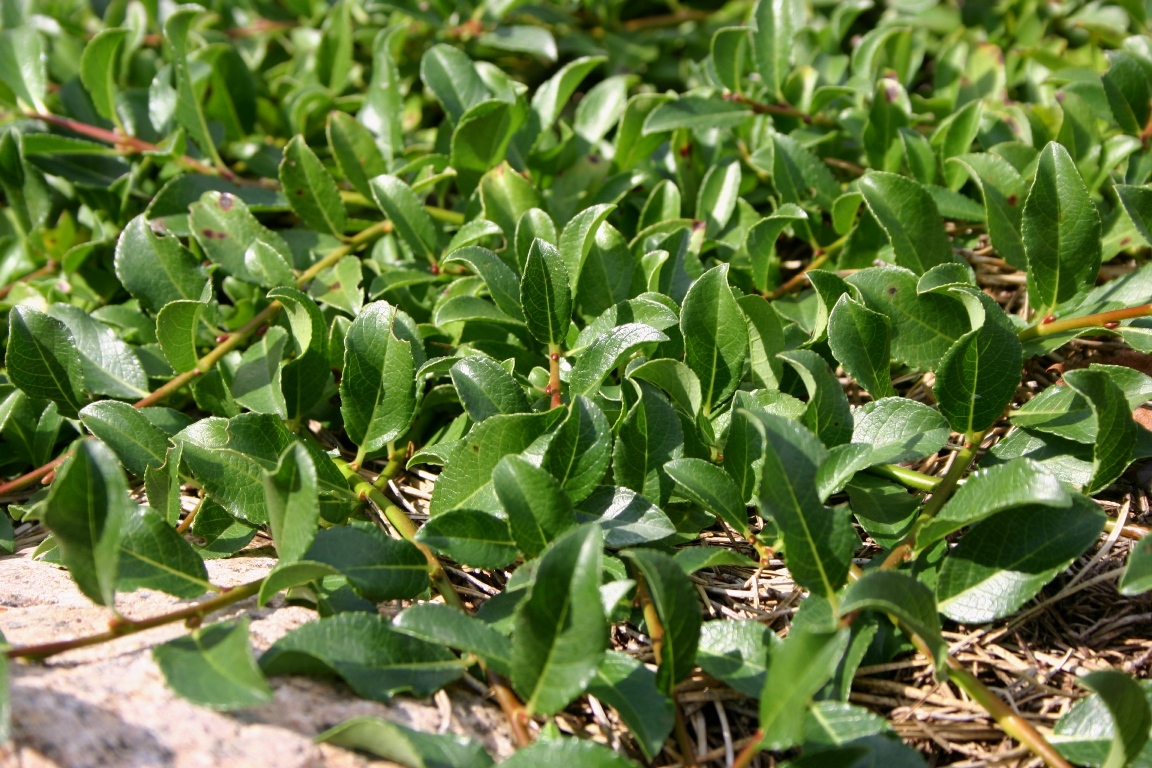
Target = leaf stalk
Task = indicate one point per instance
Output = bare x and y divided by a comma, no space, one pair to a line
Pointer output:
1098,320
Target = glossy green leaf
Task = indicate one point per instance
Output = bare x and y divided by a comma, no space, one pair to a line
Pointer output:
648,438
356,151
1004,193
449,626
407,747
710,486
189,111
99,66
899,429
676,605
629,687
607,352
23,66
561,632
566,752
907,213
87,511
231,236
156,269
406,212
772,42
154,556
310,189
860,340
256,382
292,500
136,442
578,453
1137,578
486,389
828,413
902,596
715,336
1116,430
214,667
502,283
377,393
377,567
1060,230
696,112
987,492
43,361
1003,562
374,659
797,669
537,507
178,331
736,651
473,538
545,294
1128,706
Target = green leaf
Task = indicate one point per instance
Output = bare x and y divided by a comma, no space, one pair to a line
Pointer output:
506,196
676,604
828,415
1128,706
715,336
1064,412
213,667
377,390
885,510
899,429
292,501
626,518
486,389
819,541
381,115
87,510
409,748
1061,232
451,76
978,375
693,559
695,112
502,283
924,325
356,150
551,97
377,567
188,109
761,245
736,651
987,492
844,461
99,67
907,213
629,687
675,378
375,660
902,596
111,367
545,294
710,486
860,340
449,626
231,236
286,575
1004,192
154,556
1003,562
567,752
561,631
717,197
228,457
481,139
256,382
132,437
406,212
28,193
538,509
310,189
607,352
42,359
1137,578
156,270
578,452
177,330
22,66
1116,430
773,43
797,669
1126,87
473,538
648,438
302,379
162,486
466,479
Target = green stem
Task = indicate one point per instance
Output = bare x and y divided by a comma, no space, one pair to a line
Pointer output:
939,496
402,523
445,215
120,627
909,478
1098,320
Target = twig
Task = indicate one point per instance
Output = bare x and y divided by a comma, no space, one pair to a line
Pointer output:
44,271
1108,320
554,354
120,627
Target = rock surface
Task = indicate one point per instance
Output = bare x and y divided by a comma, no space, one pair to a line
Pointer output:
107,705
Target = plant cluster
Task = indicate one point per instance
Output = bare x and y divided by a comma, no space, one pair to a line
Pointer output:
617,273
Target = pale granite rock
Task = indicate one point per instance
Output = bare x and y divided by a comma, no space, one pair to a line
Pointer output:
108,706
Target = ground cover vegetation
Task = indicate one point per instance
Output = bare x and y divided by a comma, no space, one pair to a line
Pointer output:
532,336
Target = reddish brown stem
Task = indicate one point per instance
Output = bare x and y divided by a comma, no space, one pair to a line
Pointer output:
554,354
44,271
512,708
31,477
787,110
751,749
1099,319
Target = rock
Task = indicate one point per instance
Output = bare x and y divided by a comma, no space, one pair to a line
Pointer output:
107,705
